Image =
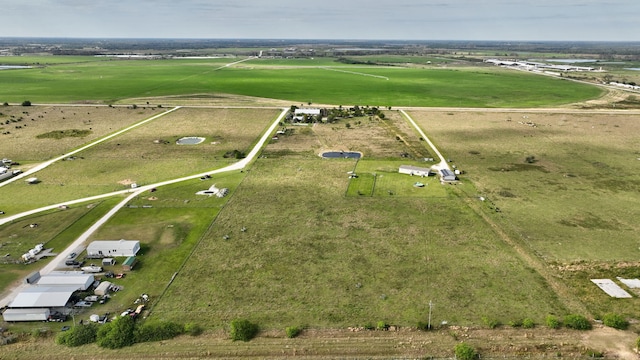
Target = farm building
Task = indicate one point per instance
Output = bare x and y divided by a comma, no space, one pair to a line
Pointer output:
300,114
26,314
447,175
43,297
414,170
129,263
108,261
67,279
113,248
103,288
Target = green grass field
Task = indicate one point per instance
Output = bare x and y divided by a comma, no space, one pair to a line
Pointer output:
317,82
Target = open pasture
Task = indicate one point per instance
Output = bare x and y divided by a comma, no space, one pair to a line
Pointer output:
573,204
20,127
144,155
311,256
119,80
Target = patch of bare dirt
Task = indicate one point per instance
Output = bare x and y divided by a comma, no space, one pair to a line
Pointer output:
615,344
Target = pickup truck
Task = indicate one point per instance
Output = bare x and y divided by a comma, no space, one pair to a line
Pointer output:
91,269
83,304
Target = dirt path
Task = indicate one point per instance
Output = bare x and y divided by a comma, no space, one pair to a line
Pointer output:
616,344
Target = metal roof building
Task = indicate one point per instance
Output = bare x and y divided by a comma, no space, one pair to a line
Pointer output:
78,279
112,248
43,297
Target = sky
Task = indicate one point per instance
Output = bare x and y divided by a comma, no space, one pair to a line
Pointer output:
531,20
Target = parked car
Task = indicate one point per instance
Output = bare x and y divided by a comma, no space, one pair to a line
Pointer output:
83,304
72,256
72,263
57,317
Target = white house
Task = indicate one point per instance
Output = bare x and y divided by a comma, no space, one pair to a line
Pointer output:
414,170
113,248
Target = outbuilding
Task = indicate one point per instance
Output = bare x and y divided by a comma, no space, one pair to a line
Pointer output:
43,296
448,175
103,288
113,248
108,261
129,263
41,314
78,279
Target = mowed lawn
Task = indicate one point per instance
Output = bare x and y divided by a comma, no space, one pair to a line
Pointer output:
144,155
311,256
294,80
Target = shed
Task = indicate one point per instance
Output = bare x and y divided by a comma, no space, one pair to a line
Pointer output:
448,175
129,263
108,261
113,248
103,288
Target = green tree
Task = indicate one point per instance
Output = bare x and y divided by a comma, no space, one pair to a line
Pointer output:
26,103
465,351
244,330
117,334
78,335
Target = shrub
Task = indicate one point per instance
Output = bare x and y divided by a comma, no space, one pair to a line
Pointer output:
638,343
156,331
292,331
117,334
78,335
577,322
26,103
552,322
528,323
422,326
192,329
242,329
381,325
615,321
491,323
465,351
515,323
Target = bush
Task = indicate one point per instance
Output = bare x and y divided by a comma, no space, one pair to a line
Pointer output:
552,322
577,322
292,331
117,334
26,103
615,321
515,323
465,351
491,323
78,335
157,331
192,329
244,330
382,325
528,323
423,326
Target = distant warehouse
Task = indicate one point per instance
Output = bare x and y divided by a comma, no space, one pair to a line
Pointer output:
113,248
448,175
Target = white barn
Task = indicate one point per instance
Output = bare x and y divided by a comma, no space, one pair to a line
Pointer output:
113,248
448,175
414,170
43,297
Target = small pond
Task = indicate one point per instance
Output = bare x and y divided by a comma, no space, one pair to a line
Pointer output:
190,140
341,155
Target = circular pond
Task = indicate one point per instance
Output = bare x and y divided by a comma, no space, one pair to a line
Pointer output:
341,155
190,140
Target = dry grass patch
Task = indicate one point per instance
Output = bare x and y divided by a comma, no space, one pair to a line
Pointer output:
23,145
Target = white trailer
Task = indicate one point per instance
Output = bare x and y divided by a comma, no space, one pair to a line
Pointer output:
10,315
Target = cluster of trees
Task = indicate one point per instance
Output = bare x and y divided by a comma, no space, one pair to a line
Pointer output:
124,331
335,114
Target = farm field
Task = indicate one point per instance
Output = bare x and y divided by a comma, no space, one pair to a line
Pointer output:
143,155
545,202
119,80
572,204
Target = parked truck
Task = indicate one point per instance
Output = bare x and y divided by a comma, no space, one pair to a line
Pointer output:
11,315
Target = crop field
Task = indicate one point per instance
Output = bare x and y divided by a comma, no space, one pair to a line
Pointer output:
573,203
119,80
143,155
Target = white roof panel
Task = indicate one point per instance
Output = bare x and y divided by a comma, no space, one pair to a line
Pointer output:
43,296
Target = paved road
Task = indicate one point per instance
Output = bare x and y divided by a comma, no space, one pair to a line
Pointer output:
61,257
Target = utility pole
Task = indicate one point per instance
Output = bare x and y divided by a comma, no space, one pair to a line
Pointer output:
429,323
